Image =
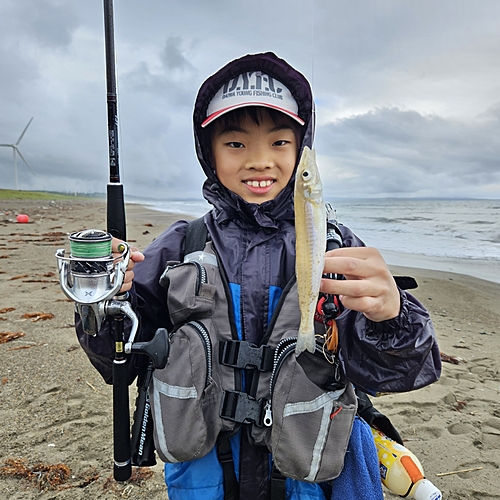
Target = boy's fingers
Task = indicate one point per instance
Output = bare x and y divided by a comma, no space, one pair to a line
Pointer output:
357,252
350,288
354,262
118,246
129,276
136,256
350,267
127,280
369,286
375,299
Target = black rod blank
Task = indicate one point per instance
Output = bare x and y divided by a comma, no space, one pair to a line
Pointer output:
116,227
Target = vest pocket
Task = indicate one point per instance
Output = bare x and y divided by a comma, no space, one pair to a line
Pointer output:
311,426
190,294
185,398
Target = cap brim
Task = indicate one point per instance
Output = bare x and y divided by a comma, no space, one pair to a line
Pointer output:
221,112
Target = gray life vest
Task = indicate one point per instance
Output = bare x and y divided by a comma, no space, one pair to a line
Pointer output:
301,408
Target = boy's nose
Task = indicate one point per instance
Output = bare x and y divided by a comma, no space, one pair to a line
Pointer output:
259,160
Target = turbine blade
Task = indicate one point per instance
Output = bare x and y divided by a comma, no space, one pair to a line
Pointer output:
22,158
24,131
7,145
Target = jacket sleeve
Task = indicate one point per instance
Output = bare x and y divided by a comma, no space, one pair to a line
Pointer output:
397,355
148,301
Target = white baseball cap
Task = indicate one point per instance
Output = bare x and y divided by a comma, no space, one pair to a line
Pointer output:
252,88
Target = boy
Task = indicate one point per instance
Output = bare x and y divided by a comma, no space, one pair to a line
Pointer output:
251,121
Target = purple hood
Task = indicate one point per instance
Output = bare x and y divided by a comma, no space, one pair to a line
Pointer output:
227,204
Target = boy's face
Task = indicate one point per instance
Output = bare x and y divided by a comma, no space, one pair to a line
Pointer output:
256,161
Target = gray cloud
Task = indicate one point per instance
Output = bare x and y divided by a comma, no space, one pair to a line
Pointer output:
50,23
394,152
407,92
173,54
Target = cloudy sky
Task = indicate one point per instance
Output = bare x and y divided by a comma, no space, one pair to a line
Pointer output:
407,92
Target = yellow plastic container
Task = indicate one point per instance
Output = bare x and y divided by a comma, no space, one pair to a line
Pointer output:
401,471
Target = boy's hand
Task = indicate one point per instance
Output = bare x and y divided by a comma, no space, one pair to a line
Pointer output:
369,287
135,256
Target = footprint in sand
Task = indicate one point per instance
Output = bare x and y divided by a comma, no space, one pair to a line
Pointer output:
461,428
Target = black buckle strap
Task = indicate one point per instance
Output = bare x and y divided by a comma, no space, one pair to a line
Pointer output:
231,487
278,484
242,408
242,354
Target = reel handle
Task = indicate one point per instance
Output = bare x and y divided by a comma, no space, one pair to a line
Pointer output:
157,349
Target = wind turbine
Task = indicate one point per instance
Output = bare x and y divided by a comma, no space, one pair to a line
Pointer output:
15,150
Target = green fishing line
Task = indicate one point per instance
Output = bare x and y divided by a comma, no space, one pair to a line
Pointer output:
90,244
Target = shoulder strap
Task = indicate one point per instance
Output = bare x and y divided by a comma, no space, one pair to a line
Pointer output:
196,236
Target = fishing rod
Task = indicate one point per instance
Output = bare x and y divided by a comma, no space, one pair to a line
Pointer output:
92,276
116,226
136,448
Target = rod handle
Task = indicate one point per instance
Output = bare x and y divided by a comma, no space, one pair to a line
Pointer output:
121,421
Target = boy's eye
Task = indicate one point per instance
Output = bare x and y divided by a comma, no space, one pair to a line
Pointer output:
281,142
235,144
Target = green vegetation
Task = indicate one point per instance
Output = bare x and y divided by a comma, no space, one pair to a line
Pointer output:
12,194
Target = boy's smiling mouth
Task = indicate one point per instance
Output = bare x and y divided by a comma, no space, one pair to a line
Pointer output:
259,184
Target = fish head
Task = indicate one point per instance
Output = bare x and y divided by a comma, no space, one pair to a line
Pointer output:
307,178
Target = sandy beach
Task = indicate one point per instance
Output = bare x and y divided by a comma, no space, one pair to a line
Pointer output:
56,410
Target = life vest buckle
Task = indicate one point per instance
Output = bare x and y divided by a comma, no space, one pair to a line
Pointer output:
242,408
244,355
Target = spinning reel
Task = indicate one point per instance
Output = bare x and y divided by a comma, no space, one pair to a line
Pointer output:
92,277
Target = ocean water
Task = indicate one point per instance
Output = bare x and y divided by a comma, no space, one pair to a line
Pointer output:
459,236
449,235
464,229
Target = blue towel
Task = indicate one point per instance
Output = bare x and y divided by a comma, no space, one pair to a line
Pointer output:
360,477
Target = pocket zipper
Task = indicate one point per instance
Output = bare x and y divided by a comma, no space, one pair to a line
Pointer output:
202,275
283,349
200,270
201,330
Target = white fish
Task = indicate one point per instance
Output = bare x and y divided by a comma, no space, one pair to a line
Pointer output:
310,229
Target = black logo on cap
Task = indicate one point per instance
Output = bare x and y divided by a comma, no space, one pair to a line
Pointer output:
252,83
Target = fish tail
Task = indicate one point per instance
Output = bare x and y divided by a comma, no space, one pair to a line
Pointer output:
305,342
